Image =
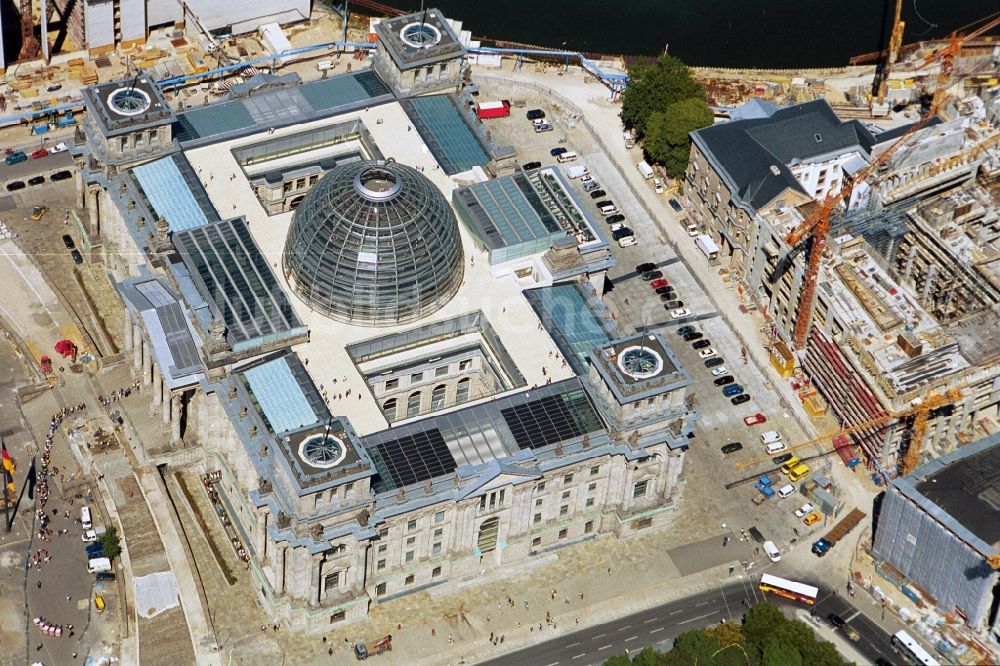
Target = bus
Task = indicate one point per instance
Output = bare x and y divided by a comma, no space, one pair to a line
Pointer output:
789,589
911,650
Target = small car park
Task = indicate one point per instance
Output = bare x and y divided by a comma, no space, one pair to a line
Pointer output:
718,372
732,447
754,419
556,152
653,276
40,153
692,336
740,399
706,353
722,381
38,212
812,518
61,175
701,344
37,180
675,205
77,257
732,390
641,268
527,167
712,362
68,241
804,509
680,312
535,114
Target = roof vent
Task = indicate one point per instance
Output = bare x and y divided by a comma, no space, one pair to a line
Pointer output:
819,137
775,170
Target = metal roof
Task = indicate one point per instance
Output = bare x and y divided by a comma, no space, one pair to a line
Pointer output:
450,138
566,315
281,396
175,193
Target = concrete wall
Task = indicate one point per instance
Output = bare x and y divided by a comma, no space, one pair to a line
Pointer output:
99,23
161,12
133,21
248,15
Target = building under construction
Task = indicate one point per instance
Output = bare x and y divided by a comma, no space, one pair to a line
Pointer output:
937,530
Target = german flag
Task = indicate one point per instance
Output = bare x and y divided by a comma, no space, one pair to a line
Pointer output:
8,471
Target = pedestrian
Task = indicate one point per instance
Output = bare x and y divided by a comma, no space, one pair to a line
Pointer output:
433,632
491,636
566,601
68,597
329,651
581,596
39,585
324,639
609,571
553,595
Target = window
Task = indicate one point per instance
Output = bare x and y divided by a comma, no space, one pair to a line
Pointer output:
536,542
437,396
462,393
563,533
380,589
568,479
338,616
409,556
592,487
139,139
413,404
348,487
465,365
382,548
383,533
538,502
124,143
380,565
392,384
443,68
590,502
416,377
438,533
436,549
643,523
482,502
154,139
537,519
639,490
564,509
411,525
441,371
565,494
540,487
435,572
389,409
588,527
411,540
595,470
331,581
409,580
439,517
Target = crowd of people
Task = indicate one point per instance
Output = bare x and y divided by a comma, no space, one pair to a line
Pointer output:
115,396
43,471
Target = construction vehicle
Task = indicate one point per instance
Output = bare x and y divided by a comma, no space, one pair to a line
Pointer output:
839,531
362,651
813,231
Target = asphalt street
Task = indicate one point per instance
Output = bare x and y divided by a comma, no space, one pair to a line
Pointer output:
657,627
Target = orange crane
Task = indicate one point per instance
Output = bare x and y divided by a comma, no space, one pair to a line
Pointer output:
920,411
817,225
880,85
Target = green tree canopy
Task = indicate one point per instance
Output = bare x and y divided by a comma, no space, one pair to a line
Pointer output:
652,87
778,653
112,547
667,141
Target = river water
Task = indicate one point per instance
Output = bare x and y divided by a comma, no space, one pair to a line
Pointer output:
724,33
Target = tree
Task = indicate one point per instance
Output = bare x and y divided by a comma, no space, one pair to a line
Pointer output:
778,653
652,87
668,139
112,547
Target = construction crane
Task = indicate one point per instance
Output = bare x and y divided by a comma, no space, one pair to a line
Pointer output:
880,85
921,411
816,226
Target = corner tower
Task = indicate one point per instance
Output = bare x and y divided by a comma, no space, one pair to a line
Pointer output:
418,53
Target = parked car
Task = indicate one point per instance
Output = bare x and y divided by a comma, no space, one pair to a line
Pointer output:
597,194
61,175
675,205
722,381
732,447
684,330
804,509
712,362
653,275
531,165
701,344
692,230
54,87
694,335
740,399
659,282
37,180
592,185
627,241
556,152
535,114
783,458
836,620
732,390
666,293
674,305
755,419
706,353
812,518
622,233
60,147
15,185
602,204
105,576
77,257
38,212
680,312
618,218
586,178
68,241
718,372
641,268
89,536
15,157
543,127
40,153
821,546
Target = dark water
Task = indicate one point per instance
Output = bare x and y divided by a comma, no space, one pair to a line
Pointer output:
725,33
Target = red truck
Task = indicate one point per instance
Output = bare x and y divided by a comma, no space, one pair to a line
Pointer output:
500,109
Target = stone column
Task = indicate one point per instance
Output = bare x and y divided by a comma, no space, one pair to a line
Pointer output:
167,403
315,566
137,345
94,211
157,400
147,365
279,569
175,418
81,187
261,545
129,331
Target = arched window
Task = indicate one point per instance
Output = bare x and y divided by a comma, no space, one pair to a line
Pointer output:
463,389
437,396
487,540
389,409
413,404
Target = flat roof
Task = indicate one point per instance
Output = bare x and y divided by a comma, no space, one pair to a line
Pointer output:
448,135
414,39
175,193
282,391
508,211
966,485
568,315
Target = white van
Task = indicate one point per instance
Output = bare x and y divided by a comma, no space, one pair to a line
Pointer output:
786,490
567,157
770,437
99,564
772,551
324,65
627,241
85,518
608,210
775,447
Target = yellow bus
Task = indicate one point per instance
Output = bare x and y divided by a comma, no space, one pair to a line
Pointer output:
799,472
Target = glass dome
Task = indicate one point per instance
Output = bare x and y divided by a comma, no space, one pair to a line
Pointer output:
374,243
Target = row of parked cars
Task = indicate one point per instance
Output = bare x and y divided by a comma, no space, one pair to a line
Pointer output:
662,287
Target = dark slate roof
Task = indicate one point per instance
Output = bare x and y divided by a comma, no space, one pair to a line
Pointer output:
747,149
896,132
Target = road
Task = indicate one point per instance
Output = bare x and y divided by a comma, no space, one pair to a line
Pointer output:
657,627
